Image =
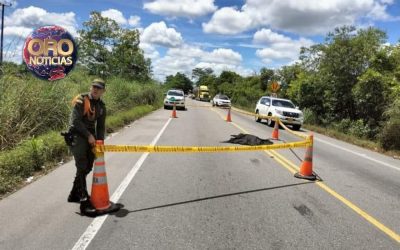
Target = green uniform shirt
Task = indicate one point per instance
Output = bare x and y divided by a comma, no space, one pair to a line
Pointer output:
83,124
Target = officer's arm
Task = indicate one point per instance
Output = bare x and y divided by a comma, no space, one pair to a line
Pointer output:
101,125
77,120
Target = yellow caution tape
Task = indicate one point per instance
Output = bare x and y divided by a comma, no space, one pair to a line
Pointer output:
256,115
293,132
198,106
188,149
243,112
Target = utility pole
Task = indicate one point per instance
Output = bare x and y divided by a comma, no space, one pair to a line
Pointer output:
3,5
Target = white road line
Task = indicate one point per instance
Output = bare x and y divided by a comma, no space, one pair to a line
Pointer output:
359,154
96,224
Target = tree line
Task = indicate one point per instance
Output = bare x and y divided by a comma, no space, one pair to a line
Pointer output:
349,82
106,49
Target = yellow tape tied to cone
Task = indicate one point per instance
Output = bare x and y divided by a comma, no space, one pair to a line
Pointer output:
188,149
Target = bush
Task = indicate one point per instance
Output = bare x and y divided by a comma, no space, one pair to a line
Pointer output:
359,129
310,117
150,95
123,95
356,128
32,112
389,138
342,126
31,107
32,154
126,117
119,95
8,182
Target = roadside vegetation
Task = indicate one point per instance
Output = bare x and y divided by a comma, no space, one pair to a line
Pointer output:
34,112
348,87
349,84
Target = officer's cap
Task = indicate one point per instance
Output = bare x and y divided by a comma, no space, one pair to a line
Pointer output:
100,83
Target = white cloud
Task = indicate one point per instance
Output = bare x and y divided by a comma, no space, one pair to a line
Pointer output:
115,15
118,17
219,67
186,52
160,34
278,48
19,31
228,21
224,56
268,36
22,21
182,59
170,66
302,17
379,12
149,51
187,57
134,21
181,8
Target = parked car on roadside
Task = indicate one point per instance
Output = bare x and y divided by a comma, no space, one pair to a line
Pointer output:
221,100
284,109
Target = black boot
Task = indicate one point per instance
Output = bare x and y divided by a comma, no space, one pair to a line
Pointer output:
75,194
73,197
87,208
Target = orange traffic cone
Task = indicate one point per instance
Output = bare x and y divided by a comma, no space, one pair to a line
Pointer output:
100,197
228,117
174,112
275,132
306,171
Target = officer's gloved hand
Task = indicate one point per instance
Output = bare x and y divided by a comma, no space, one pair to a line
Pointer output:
92,140
68,137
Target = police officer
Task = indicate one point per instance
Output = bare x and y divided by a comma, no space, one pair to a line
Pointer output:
87,124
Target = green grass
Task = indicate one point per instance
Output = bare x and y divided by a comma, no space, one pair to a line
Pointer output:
124,117
37,156
248,109
368,144
33,112
32,107
30,156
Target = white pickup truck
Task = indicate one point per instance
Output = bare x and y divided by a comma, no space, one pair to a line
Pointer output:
284,109
174,96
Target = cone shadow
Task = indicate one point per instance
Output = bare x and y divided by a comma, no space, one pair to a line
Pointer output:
125,212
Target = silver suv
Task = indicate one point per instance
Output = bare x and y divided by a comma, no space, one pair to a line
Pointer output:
284,109
221,100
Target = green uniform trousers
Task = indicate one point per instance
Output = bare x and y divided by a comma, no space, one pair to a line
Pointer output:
84,158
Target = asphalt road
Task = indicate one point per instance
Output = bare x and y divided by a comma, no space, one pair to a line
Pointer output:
245,200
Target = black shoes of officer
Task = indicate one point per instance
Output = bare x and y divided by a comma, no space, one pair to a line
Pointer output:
87,208
73,197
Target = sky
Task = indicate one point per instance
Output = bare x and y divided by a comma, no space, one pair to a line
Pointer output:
236,35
